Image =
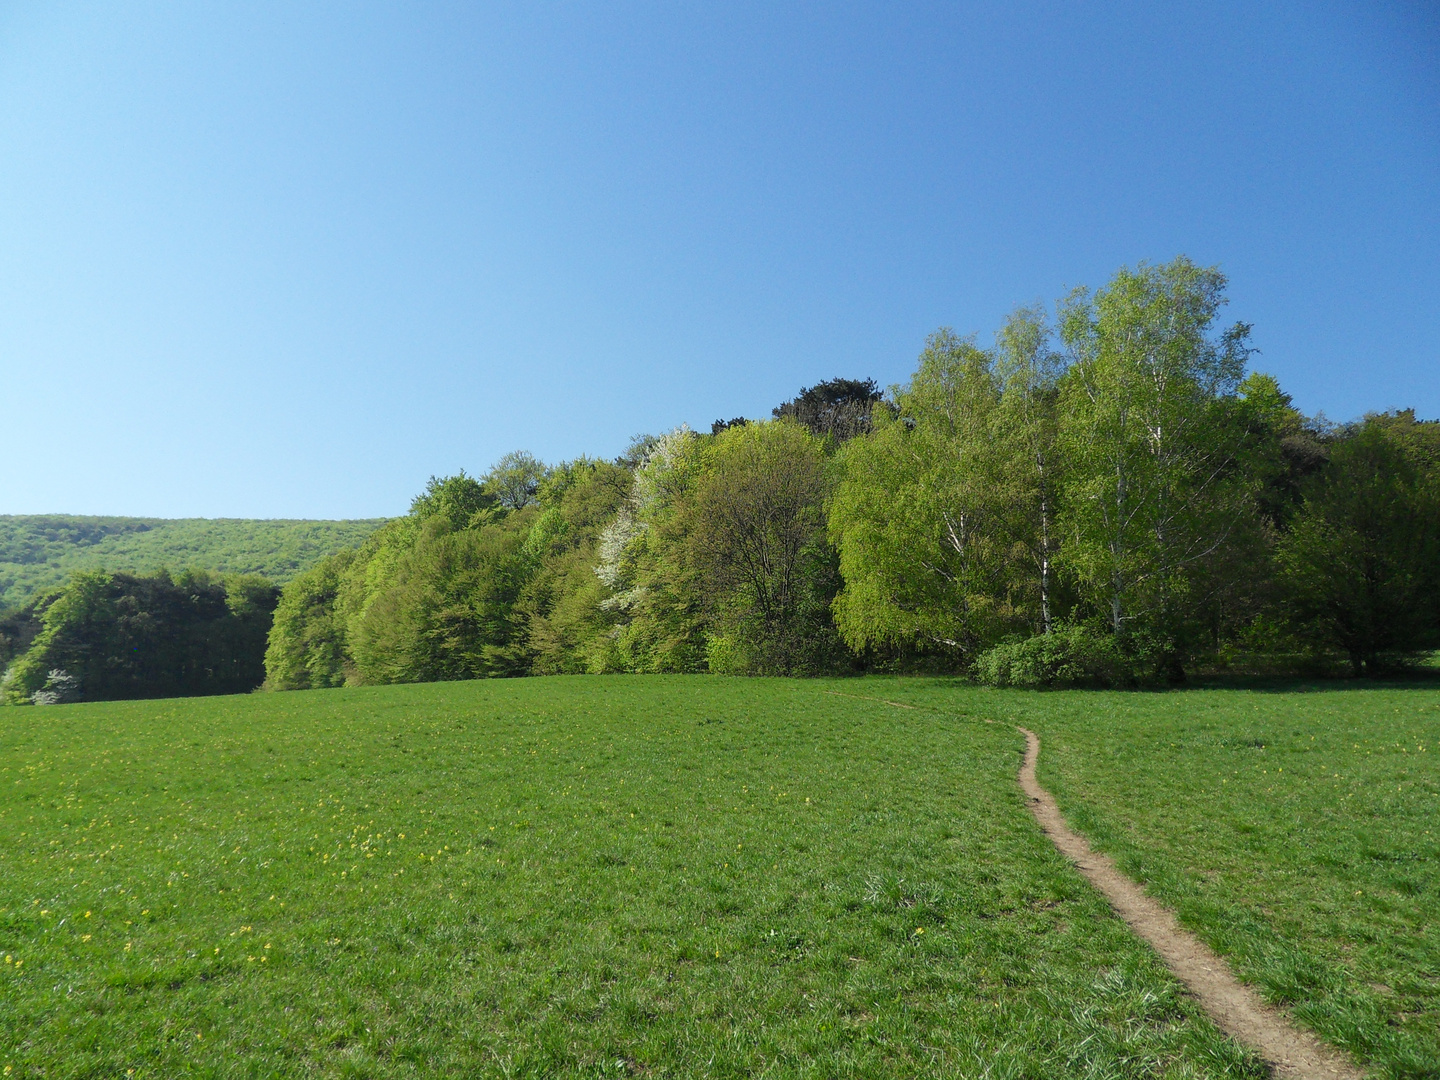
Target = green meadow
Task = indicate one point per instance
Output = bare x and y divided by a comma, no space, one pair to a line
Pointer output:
699,876
1295,829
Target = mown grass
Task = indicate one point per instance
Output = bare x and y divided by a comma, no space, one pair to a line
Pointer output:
551,877
1296,829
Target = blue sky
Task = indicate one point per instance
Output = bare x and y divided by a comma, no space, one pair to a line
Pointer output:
289,260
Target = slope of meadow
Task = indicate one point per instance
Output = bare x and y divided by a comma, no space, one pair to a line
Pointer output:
1296,829
599,876
40,551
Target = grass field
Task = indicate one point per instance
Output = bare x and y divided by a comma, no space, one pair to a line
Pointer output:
1297,832
701,876
591,877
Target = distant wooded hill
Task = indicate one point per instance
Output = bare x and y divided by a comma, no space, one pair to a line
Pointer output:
40,551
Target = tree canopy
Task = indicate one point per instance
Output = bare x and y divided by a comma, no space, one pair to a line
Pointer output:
114,636
1101,494
1107,473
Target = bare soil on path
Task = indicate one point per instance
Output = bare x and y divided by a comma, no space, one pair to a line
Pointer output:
1236,1009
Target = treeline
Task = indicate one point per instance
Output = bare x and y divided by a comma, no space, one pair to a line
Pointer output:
1104,496
109,637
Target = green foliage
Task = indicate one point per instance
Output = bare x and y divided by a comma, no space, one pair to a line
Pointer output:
1028,370
457,500
1067,656
449,610
1136,484
464,587
656,599
116,636
837,409
567,630
1360,568
932,518
716,558
757,534
20,627
39,552
1284,448
1153,445
514,480
307,643
429,597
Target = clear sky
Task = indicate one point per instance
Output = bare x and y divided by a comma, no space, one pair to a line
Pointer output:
290,259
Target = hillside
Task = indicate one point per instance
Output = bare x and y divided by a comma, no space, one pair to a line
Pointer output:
39,551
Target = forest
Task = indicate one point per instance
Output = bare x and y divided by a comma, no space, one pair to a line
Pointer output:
1107,496
39,552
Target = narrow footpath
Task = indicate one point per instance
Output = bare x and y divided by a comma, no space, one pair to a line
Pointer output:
1235,1008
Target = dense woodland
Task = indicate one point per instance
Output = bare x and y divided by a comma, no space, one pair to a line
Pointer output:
1103,497
114,636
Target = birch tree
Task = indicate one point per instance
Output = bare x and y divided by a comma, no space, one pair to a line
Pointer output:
1146,425
1028,370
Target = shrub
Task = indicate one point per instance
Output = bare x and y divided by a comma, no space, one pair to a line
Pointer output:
727,654
60,688
1072,656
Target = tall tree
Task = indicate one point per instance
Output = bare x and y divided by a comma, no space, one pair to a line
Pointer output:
307,648
922,517
757,538
116,636
837,409
1360,568
1150,435
1029,369
19,628
456,498
565,625
657,608
448,612
1285,447
515,479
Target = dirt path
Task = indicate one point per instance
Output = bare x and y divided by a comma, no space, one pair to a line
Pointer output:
1236,1008
862,697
